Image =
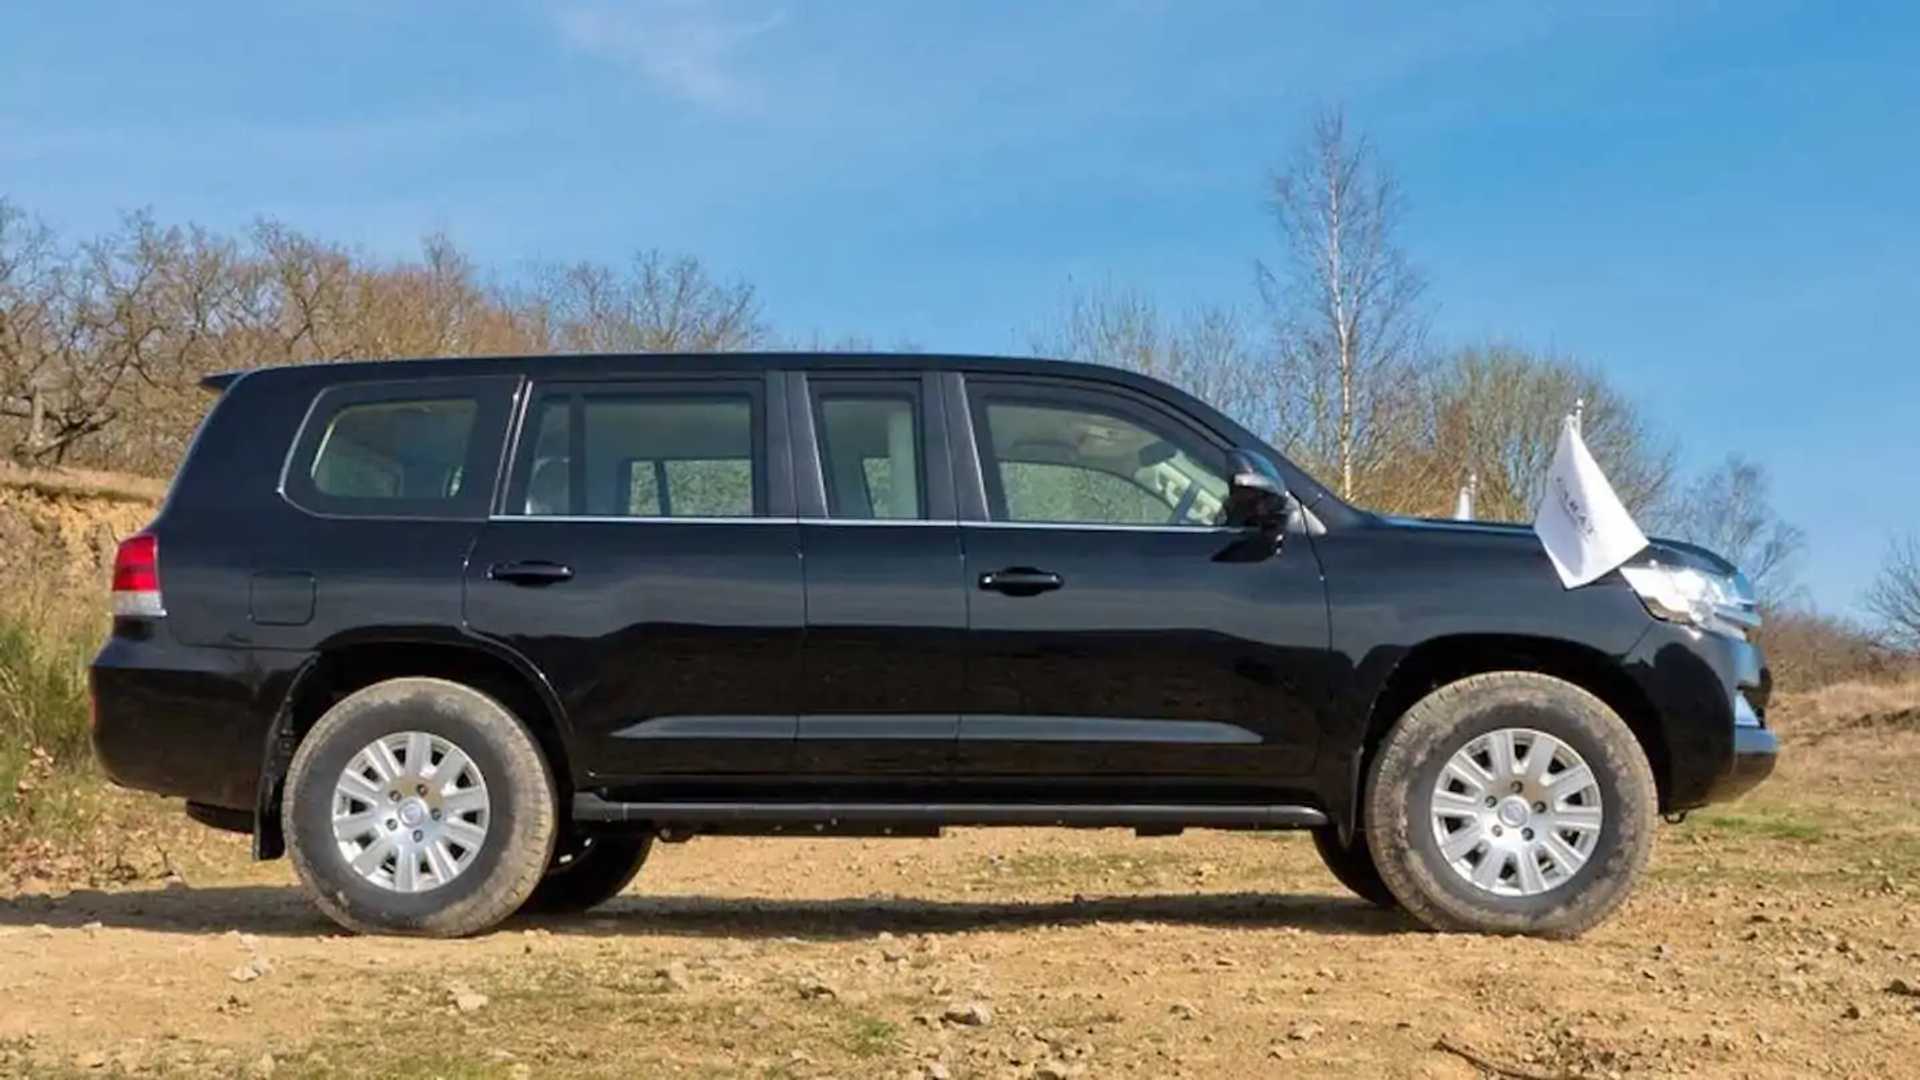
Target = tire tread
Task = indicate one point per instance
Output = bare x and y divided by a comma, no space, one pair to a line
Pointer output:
536,822
1422,731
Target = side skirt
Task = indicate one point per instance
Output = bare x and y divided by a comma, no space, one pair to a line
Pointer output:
924,819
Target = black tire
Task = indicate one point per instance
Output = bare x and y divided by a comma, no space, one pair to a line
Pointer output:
520,818
1353,865
1402,831
593,872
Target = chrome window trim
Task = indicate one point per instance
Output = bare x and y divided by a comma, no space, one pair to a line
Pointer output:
1102,526
911,522
656,520
916,523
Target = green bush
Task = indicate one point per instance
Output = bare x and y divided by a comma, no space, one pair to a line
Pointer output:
43,699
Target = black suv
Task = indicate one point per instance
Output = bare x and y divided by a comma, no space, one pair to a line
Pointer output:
467,636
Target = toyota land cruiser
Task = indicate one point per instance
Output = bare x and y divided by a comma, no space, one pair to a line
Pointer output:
465,637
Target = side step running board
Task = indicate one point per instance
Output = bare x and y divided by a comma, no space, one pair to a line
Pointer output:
590,807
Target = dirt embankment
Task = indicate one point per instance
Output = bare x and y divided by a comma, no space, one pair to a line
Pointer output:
64,524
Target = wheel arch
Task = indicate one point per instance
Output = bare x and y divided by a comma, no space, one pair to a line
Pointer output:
341,668
1439,661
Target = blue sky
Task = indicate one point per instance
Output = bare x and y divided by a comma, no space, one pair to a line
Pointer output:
1716,203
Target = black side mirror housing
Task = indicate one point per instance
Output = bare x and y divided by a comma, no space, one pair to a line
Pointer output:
1255,499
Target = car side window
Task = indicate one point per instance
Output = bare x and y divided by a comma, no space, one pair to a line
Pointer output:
870,453
407,448
641,454
1078,461
402,450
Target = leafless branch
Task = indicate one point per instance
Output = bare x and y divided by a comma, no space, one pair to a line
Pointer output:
1894,596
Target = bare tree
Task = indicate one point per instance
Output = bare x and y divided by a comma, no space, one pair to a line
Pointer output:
1894,597
1497,412
35,296
1730,511
1808,648
300,302
659,304
103,343
1346,306
87,328
1204,352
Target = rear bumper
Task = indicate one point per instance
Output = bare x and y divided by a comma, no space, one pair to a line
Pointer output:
184,720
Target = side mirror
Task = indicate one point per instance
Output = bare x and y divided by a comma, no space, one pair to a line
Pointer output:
1254,499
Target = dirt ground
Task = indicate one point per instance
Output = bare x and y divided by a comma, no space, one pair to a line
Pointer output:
1776,937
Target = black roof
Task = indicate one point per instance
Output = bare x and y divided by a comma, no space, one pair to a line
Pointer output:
578,363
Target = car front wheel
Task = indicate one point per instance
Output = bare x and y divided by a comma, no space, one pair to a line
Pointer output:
419,806
1511,802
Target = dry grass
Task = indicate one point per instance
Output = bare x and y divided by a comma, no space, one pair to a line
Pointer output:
1849,706
58,528
84,483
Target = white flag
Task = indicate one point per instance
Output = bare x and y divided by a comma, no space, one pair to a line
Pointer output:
1580,521
1463,506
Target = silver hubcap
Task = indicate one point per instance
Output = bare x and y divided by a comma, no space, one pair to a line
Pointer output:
1516,812
410,812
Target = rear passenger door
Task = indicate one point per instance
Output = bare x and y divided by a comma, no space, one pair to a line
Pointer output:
886,606
646,559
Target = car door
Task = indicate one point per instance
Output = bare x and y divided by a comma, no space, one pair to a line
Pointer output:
1116,628
884,669
646,561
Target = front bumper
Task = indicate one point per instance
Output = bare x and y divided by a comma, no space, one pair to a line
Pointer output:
1754,753
1696,684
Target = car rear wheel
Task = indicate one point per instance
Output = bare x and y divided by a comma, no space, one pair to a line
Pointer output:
1352,865
419,806
1511,802
589,872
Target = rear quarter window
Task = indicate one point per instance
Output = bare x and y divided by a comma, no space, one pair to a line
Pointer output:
396,450
427,448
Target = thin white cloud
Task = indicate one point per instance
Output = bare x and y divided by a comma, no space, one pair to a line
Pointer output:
688,47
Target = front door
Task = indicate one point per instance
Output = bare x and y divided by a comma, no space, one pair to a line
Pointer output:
1121,636
639,567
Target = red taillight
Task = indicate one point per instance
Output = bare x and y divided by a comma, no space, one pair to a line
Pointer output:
136,578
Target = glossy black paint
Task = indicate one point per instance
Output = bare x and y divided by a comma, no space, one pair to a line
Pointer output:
674,647
1686,674
886,619
801,660
1153,658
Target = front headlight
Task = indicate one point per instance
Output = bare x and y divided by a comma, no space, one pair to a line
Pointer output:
1722,603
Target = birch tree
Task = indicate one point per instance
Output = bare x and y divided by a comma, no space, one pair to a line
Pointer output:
1729,510
1346,308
